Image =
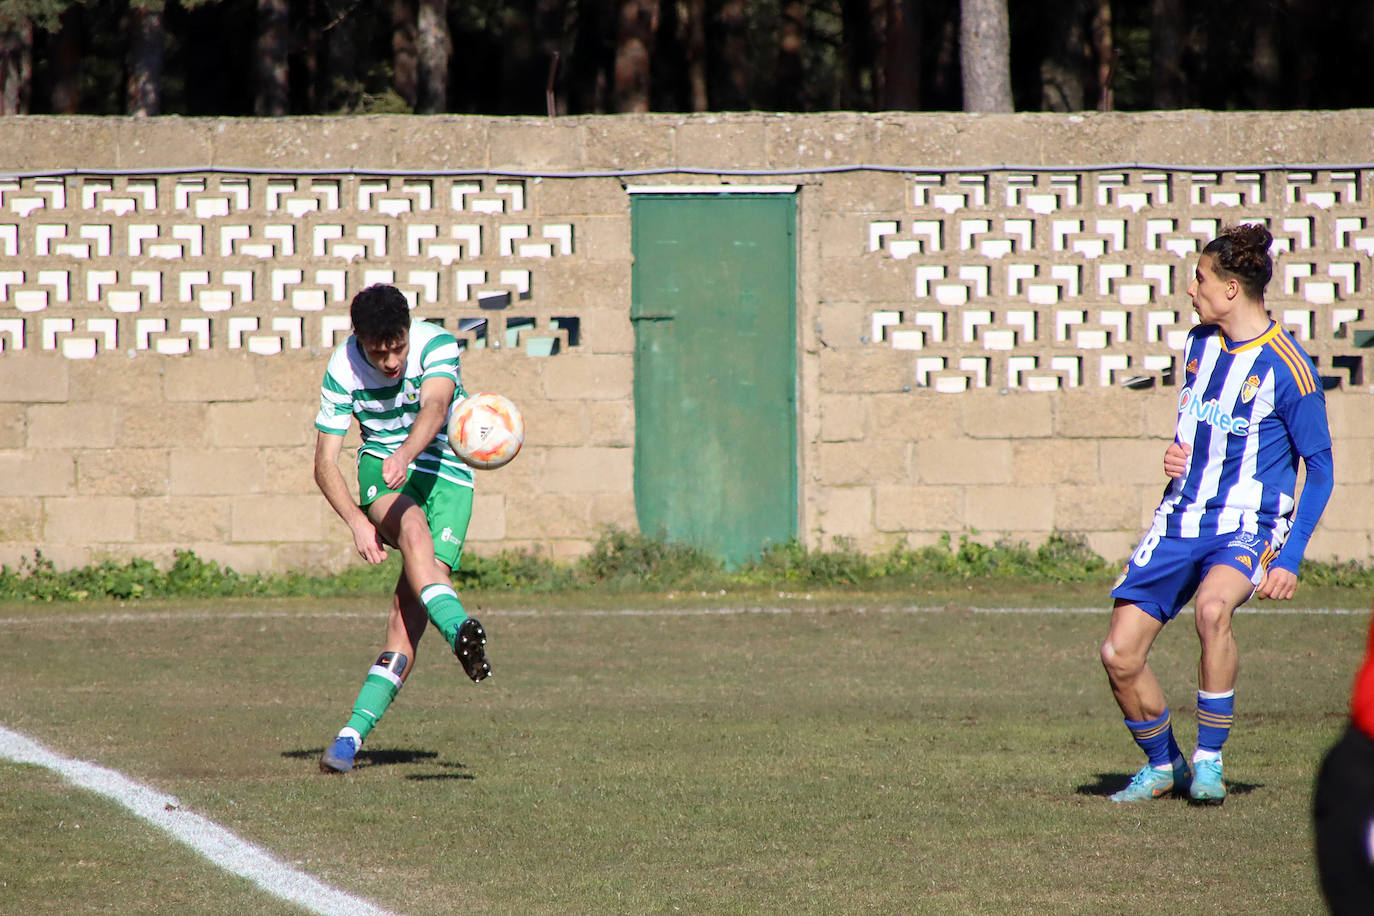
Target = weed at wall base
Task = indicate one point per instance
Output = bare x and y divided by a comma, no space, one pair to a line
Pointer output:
620,561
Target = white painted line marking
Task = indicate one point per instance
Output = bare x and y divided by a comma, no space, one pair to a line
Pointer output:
225,849
174,616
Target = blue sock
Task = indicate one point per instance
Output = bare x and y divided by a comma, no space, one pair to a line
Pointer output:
1215,713
444,609
1156,739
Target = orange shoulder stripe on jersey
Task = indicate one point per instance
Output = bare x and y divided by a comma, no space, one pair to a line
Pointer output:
1284,346
1286,341
1287,357
1305,364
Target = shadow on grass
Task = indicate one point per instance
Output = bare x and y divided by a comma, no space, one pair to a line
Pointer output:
432,777
1107,783
391,757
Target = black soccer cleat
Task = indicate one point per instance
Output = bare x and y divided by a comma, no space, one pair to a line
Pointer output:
470,645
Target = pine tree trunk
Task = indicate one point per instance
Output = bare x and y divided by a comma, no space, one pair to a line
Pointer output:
143,85
551,28
592,59
16,65
857,48
695,30
433,47
1064,70
985,55
405,59
1264,91
66,66
731,56
342,87
1168,87
310,58
790,88
902,56
272,98
1104,54
634,51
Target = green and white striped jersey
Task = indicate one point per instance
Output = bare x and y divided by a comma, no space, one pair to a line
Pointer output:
387,408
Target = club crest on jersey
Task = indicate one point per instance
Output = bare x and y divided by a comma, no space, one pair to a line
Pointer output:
1191,368
1249,389
1252,545
1210,412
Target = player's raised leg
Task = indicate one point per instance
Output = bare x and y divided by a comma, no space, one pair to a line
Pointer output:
1223,589
405,523
1136,689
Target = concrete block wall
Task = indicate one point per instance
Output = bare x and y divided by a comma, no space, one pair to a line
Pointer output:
920,416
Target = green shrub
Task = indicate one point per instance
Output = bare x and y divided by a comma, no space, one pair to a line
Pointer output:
513,570
791,563
619,561
629,561
1349,574
37,580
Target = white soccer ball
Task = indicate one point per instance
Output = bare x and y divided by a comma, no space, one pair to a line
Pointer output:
486,430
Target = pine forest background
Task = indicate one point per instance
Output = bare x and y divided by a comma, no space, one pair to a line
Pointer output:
563,57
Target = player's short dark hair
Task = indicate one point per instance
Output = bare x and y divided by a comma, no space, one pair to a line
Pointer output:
1243,252
380,313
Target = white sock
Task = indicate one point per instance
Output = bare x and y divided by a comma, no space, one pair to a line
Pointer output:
1199,755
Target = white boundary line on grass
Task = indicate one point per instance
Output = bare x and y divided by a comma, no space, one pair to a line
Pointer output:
177,616
222,847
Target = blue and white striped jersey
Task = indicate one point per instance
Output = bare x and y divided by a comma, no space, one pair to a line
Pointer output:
386,408
1249,411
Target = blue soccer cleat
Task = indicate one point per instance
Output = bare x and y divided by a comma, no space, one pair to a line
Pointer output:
1207,787
1150,783
470,645
339,757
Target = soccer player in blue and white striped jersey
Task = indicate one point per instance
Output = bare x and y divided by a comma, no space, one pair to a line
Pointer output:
399,379
1251,407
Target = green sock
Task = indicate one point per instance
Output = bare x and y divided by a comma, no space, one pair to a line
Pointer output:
380,687
442,604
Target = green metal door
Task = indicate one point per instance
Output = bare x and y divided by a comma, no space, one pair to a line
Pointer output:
713,306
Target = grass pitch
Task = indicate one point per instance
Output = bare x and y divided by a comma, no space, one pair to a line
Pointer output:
705,754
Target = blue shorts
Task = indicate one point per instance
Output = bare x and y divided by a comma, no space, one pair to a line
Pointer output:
1164,572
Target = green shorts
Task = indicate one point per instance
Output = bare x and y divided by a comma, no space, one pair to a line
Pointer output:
447,505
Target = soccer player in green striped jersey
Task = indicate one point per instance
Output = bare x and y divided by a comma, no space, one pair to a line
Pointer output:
399,379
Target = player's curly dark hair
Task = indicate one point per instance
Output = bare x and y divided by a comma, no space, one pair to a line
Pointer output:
1242,251
380,313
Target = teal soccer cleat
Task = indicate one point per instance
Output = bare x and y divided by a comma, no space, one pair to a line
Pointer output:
1207,787
339,757
1149,783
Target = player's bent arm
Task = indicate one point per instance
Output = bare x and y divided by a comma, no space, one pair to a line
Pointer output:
1281,580
331,482
435,396
1316,491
